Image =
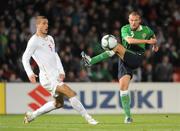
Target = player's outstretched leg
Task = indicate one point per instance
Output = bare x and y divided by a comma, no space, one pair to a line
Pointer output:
88,61
30,116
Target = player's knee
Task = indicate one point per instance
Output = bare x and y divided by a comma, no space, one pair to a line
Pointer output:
118,48
115,49
71,94
74,93
123,86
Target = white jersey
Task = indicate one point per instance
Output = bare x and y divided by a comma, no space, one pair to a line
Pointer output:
43,52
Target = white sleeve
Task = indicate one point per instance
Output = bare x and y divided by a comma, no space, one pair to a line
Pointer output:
59,65
58,60
31,46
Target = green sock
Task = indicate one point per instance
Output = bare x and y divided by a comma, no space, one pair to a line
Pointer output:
101,57
125,100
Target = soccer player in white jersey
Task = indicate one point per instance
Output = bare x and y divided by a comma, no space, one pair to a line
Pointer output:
42,48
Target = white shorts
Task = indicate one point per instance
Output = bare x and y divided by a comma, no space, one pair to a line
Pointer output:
50,82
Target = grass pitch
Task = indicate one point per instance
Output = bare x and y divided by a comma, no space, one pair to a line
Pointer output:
143,122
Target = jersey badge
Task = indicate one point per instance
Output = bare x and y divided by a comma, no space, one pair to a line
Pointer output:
144,35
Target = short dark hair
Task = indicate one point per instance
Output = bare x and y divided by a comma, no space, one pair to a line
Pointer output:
38,18
135,13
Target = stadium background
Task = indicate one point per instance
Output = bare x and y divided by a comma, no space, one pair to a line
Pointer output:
79,25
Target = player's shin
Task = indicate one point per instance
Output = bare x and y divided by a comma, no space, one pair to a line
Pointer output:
103,56
49,106
125,100
76,104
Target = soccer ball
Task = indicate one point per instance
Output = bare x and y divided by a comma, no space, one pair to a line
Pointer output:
108,42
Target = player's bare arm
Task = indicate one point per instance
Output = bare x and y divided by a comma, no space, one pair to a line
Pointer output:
131,40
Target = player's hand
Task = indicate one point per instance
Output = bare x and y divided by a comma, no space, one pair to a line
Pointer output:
61,77
32,78
152,41
155,48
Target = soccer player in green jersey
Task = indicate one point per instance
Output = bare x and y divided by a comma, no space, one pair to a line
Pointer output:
135,37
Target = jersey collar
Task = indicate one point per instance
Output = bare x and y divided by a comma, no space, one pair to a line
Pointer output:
139,28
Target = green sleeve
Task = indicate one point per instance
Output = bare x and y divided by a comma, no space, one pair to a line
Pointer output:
125,32
150,32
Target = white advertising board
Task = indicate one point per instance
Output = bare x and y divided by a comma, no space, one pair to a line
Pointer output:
98,98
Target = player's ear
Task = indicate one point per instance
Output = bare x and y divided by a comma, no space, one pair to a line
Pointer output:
129,19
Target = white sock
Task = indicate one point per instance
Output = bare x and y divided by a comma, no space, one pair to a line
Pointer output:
76,104
110,53
124,93
49,106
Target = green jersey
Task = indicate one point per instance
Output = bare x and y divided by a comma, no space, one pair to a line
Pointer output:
143,32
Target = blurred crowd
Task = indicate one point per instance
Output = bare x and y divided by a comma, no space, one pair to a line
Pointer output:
78,25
